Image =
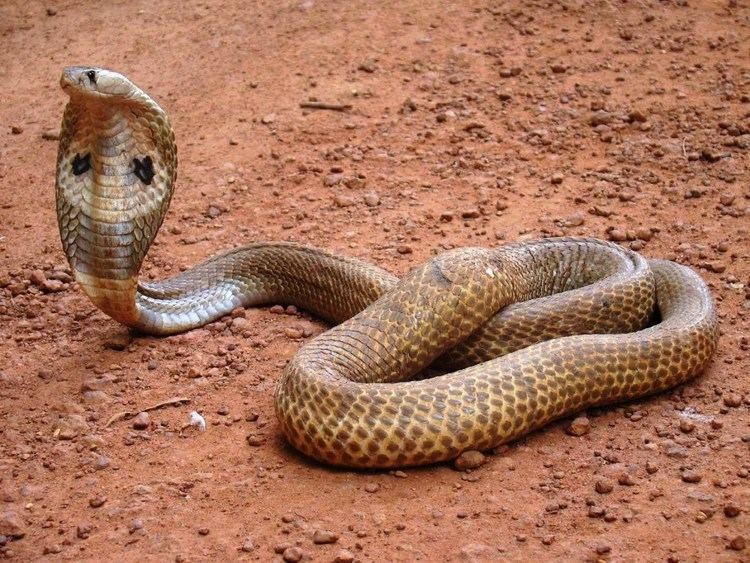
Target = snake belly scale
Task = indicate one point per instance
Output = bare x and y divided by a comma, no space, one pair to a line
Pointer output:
528,332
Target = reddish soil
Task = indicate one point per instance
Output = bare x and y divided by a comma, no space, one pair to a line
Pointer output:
472,123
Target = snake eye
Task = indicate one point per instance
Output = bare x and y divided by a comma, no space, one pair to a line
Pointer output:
92,76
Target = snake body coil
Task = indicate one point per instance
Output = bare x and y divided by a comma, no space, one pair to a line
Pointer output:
530,327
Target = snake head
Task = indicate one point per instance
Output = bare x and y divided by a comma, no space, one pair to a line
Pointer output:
116,166
98,83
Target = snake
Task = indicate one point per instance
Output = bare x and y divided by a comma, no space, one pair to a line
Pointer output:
473,349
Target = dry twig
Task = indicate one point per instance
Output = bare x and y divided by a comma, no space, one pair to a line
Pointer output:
130,414
324,105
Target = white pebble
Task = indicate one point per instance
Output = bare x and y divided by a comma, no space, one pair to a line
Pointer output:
197,420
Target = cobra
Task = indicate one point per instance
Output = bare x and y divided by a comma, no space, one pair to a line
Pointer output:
532,331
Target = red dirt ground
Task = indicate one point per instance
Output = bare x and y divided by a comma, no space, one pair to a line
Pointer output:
472,123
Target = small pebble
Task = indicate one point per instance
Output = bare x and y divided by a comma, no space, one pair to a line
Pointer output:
686,425
579,426
255,440
96,502
470,459
603,486
732,400
142,421
344,556
731,510
737,543
691,476
292,554
118,342
248,545
321,537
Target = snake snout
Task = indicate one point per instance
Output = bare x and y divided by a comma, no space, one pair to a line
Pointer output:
78,77
95,82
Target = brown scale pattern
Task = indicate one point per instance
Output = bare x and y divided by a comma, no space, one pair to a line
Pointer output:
342,403
539,319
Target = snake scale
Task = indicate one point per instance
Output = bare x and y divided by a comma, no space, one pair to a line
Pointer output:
534,330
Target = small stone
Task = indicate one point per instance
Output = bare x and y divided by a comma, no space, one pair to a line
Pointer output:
51,135
240,325
372,199
38,278
636,116
71,426
600,117
731,510
136,525
98,501
292,554
142,421
732,400
626,480
651,467
557,178
215,210
691,476
344,556
16,129
83,531
558,68
603,486
248,545
268,119
404,249
342,200
321,537
293,333
53,286
575,220
715,266
617,235
372,487
11,525
118,342
472,213
709,155
687,426
737,543
596,512
367,66
101,462
255,440
204,531
677,451
512,71
644,233
579,426
470,459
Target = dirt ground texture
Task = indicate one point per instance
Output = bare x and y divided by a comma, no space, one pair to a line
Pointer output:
472,123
